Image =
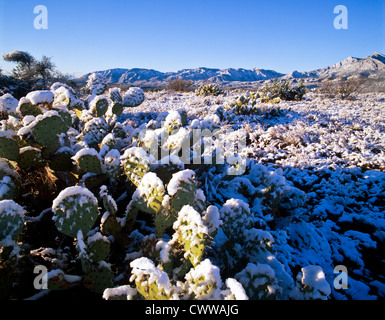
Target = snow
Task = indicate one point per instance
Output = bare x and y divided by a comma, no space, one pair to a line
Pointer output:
312,277
235,290
125,290
84,194
181,176
11,221
8,104
40,96
145,272
202,277
86,152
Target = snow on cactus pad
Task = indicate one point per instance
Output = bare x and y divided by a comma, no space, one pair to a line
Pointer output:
11,220
75,208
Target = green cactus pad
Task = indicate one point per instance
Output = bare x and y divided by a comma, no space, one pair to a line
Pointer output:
117,108
182,188
114,94
26,108
149,195
9,148
99,279
101,107
191,232
136,163
11,220
47,128
30,158
98,247
151,282
88,161
62,160
66,117
75,208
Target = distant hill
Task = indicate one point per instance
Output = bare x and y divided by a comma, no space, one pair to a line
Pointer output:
372,67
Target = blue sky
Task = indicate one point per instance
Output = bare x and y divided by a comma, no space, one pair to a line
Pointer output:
85,36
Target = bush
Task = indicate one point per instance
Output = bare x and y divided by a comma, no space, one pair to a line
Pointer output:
283,90
342,88
179,85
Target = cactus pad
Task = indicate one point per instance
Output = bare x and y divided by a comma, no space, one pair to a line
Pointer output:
11,220
9,148
100,278
136,163
46,129
75,208
30,158
98,247
149,195
61,160
88,161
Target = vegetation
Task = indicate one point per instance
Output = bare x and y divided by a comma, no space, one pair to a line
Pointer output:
29,74
179,85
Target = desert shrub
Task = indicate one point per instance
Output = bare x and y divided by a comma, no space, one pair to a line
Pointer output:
179,85
342,88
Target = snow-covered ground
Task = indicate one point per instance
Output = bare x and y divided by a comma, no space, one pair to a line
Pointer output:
314,179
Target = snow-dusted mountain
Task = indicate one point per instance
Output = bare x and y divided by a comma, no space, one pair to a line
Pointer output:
128,76
372,66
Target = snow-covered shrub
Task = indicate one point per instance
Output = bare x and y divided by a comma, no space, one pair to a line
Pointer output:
208,90
311,284
259,281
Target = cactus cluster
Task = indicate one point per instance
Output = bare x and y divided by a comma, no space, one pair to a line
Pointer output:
209,90
123,224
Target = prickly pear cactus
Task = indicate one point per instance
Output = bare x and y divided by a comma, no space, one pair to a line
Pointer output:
26,108
136,163
62,160
30,158
192,233
74,209
11,221
9,148
99,106
99,278
88,161
181,191
148,197
46,129
98,247
236,218
204,281
94,131
133,97
151,282
182,188
115,94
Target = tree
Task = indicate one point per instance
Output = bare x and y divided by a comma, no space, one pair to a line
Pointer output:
24,64
44,68
31,74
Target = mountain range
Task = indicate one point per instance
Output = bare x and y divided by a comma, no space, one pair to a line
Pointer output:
372,67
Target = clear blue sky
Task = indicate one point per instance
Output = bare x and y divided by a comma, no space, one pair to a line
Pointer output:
85,36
